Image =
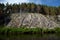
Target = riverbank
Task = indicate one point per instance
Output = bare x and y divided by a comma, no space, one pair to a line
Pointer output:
28,30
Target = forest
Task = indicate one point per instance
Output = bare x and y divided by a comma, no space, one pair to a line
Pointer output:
30,7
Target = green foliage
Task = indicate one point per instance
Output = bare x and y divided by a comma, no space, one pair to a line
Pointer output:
57,29
23,30
32,8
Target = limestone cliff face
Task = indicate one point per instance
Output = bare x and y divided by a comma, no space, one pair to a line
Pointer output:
31,20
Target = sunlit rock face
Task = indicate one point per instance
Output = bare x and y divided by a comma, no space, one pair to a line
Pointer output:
31,20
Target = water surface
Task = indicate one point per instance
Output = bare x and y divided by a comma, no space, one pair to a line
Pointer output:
30,37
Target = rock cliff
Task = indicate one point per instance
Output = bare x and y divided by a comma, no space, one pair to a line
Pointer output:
31,20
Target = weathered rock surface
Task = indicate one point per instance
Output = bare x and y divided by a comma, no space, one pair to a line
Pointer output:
31,20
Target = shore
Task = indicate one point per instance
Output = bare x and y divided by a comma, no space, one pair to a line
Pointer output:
29,30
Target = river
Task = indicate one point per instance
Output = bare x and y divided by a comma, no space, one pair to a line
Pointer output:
30,37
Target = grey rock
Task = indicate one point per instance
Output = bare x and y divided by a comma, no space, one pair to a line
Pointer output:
31,20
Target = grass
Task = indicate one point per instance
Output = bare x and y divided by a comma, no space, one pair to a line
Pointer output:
22,30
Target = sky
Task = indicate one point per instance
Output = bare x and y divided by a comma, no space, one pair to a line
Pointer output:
44,2
14,1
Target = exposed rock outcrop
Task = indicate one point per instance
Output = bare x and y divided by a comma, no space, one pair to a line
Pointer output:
31,20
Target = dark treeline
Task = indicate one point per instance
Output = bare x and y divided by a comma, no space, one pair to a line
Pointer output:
30,7
5,10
